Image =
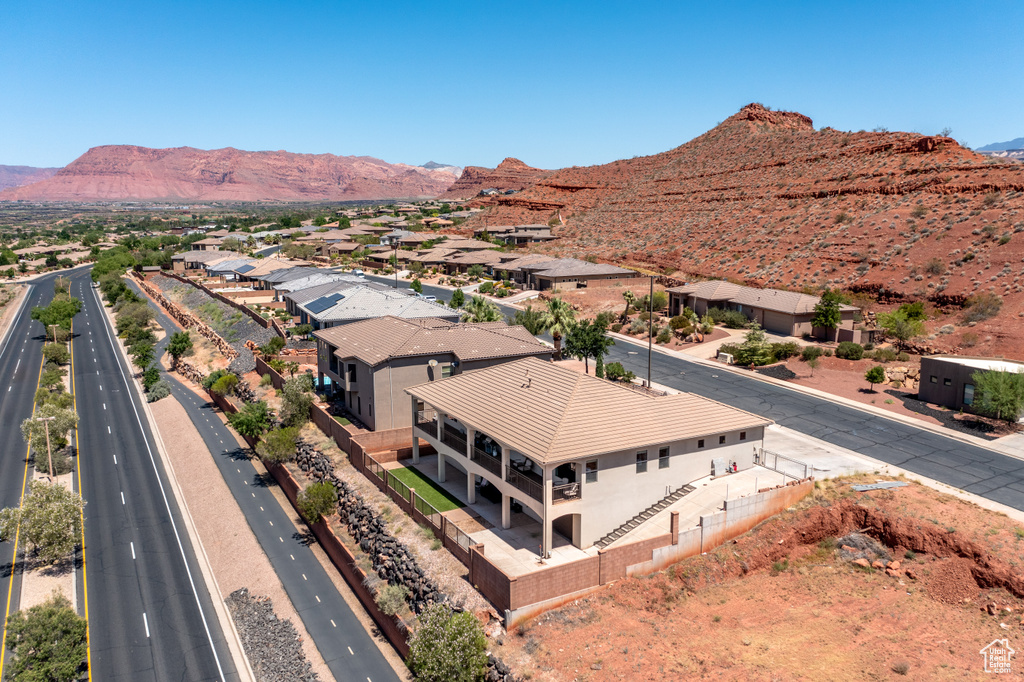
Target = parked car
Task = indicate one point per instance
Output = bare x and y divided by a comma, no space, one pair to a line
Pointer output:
357,272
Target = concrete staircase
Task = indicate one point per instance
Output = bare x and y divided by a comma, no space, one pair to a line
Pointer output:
643,516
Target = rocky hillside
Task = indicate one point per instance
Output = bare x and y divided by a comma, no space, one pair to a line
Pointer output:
16,176
510,174
116,173
765,198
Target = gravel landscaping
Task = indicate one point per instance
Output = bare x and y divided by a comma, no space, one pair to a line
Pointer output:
233,326
271,643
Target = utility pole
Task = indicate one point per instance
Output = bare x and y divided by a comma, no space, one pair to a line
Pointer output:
395,256
54,327
650,330
49,455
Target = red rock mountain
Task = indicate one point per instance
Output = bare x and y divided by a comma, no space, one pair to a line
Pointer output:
116,173
765,198
510,174
16,176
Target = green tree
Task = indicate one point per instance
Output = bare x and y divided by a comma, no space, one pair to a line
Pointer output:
999,394
50,520
875,375
827,314
279,445
448,646
272,347
179,346
479,309
252,420
303,330
34,431
587,339
531,318
475,270
416,286
48,642
898,326
150,376
225,385
316,500
755,349
56,352
60,312
558,320
813,363
458,299
142,353
296,399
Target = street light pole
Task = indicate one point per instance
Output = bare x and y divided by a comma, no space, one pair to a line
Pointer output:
54,327
49,455
395,256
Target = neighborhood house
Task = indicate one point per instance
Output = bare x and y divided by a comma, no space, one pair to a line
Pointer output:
579,454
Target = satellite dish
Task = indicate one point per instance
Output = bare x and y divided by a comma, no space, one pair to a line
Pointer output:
432,363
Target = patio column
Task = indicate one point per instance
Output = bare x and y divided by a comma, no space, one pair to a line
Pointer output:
547,511
470,486
415,438
440,451
506,511
505,450
470,441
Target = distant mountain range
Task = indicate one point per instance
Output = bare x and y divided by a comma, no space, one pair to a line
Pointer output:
129,173
16,176
1002,146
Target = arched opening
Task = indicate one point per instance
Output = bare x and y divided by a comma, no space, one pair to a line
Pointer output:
568,527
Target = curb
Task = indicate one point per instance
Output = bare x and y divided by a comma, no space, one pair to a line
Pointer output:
836,400
234,641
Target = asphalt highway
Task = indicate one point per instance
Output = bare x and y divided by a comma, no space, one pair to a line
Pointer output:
969,467
150,613
347,648
20,362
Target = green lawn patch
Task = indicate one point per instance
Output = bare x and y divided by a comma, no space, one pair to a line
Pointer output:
435,495
344,421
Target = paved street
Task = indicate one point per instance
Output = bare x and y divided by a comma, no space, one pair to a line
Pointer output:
975,469
349,651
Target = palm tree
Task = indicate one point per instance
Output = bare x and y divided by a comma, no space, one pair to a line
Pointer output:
479,309
558,319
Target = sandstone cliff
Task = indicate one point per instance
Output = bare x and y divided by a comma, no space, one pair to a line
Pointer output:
117,172
510,174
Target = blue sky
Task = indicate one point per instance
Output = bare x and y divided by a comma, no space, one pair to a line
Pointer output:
554,84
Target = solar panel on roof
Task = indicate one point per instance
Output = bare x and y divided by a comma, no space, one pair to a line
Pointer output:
244,269
323,303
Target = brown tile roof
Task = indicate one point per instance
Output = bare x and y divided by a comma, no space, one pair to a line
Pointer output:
572,267
210,241
514,262
378,340
435,255
474,257
271,264
467,244
792,302
555,414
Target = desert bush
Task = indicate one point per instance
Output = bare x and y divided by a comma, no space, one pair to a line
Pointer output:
884,355
848,350
903,357
161,389
935,267
149,377
637,327
664,336
617,327
616,372
56,352
279,445
733,319
784,351
391,599
810,353
448,646
266,380
316,500
486,288
982,307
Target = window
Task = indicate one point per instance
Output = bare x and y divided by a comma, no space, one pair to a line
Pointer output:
663,458
968,394
700,443
743,435
351,372
721,440
934,379
947,381
591,471
641,461
446,371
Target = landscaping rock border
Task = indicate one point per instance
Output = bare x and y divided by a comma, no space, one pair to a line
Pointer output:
271,643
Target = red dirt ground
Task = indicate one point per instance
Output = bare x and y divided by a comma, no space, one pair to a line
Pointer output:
780,604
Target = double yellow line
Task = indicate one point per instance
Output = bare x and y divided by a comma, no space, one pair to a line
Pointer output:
17,533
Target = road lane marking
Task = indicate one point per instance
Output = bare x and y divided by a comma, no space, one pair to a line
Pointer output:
292,556
271,523
108,429
349,648
304,577
145,621
133,549
333,624
280,538
115,459
104,406
261,508
317,599
122,497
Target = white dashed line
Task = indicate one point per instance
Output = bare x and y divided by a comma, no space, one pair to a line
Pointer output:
122,497
271,523
304,577
349,648
145,622
317,598
336,625
280,538
115,459
261,508
133,549
292,556
108,430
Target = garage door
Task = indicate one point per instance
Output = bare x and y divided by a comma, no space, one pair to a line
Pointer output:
780,323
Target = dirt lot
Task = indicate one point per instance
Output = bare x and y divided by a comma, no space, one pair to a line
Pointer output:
596,299
781,602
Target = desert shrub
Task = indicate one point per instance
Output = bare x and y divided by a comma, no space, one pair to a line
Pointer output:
266,380
486,288
935,267
391,599
869,346
316,500
884,355
664,336
279,445
903,357
827,352
784,351
733,319
811,353
679,322
225,385
161,389
637,327
448,646
212,378
617,327
616,372
297,397
150,377
982,307
604,319
848,350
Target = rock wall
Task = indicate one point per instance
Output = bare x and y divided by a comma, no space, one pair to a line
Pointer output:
185,318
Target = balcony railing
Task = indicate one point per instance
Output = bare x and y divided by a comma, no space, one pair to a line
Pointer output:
489,462
568,492
454,440
525,482
425,422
